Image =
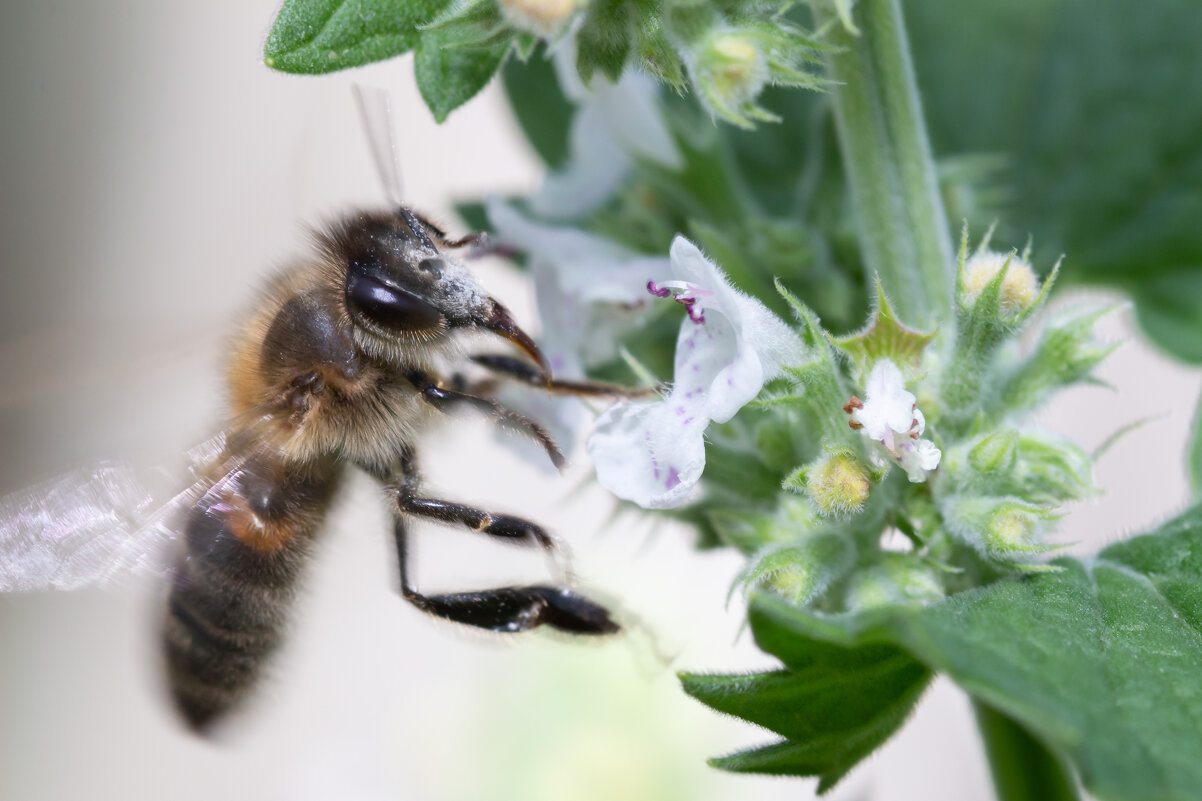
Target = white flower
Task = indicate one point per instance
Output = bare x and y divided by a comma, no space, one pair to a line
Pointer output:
590,292
892,421
653,452
615,123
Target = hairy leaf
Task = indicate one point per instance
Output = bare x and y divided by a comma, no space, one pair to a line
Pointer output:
455,61
1100,661
318,36
604,40
834,707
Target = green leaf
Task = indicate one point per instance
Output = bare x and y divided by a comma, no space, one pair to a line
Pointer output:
1022,768
317,36
455,62
604,40
542,110
1169,309
835,707
1097,104
1100,661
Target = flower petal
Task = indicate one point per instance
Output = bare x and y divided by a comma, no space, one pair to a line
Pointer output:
889,408
918,458
643,454
740,345
614,124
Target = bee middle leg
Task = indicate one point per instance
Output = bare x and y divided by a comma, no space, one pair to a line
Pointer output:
504,527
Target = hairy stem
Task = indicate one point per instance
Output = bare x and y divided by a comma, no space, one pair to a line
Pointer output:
894,188
1023,769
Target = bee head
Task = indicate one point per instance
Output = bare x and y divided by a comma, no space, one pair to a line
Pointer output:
401,288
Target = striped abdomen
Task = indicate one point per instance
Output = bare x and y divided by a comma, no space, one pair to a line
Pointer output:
244,550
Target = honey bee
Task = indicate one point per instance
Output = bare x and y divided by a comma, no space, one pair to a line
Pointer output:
339,365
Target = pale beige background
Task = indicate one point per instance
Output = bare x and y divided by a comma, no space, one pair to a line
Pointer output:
153,172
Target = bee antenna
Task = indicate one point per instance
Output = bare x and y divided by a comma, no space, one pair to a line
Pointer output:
375,112
415,225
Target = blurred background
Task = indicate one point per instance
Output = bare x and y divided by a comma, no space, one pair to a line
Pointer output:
154,172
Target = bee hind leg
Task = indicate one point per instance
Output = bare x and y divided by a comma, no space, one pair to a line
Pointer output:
508,609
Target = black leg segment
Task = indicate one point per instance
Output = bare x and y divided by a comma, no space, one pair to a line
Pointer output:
503,527
442,398
508,609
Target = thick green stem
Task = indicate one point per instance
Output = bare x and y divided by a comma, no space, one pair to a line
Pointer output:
894,188
1023,769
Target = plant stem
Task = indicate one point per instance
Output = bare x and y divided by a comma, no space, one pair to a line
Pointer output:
894,188
1023,769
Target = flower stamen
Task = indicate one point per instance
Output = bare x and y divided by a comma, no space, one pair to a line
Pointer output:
686,295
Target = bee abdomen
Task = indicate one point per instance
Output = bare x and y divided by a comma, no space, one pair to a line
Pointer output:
231,594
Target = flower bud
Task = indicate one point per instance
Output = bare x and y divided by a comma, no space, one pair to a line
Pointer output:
896,579
542,17
803,572
995,453
736,66
1007,529
1019,287
1010,527
730,70
838,483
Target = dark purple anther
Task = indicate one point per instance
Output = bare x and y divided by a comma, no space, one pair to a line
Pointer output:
659,292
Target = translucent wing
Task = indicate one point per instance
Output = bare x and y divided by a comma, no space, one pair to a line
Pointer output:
103,524
375,111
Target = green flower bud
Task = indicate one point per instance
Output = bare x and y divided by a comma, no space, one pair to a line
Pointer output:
730,71
995,295
1034,467
995,453
730,65
803,572
1017,289
896,579
838,483
1006,529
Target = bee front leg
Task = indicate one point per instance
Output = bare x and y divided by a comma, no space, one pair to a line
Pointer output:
442,398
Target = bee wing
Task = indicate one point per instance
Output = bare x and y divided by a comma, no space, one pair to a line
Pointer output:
99,525
375,111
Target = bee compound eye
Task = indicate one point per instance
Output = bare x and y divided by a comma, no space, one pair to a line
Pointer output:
390,307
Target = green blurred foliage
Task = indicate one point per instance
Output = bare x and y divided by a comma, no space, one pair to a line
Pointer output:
1096,107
